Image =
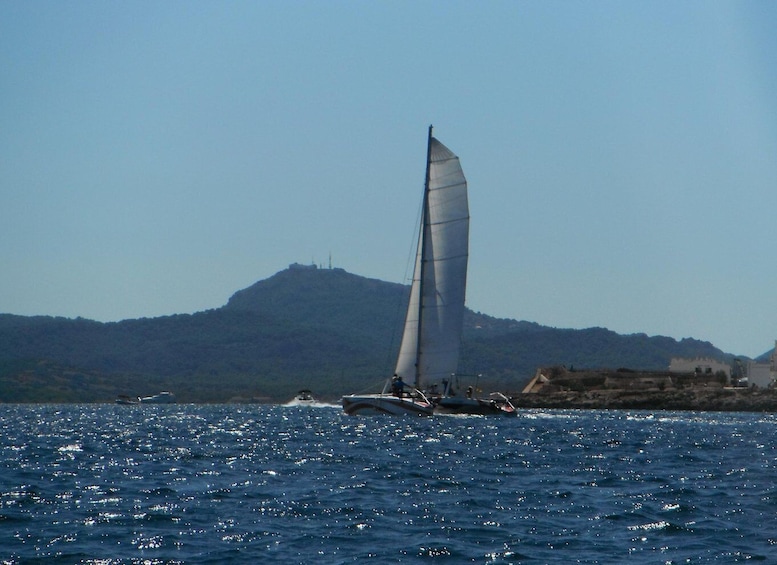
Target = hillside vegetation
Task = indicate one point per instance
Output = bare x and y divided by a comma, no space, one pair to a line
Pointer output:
322,329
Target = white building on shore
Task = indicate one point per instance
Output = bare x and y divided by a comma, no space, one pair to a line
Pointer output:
763,375
700,365
760,375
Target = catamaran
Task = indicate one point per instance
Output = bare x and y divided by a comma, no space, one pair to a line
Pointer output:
429,350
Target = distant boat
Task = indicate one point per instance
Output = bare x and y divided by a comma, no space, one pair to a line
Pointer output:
161,398
303,398
430,344
124,399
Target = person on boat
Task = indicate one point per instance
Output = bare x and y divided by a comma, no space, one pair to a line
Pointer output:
397,386
469,392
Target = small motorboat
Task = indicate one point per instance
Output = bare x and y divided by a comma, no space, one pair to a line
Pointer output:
161,398
304,396
124,399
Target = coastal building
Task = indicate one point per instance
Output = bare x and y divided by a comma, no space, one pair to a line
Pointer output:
700,373
559,379
759,375
700,366
763,375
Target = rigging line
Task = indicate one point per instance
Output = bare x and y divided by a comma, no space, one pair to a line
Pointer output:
413,250
371,387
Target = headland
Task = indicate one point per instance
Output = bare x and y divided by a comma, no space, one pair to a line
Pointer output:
558,387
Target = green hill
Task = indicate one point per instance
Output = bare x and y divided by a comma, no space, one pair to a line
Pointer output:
324,329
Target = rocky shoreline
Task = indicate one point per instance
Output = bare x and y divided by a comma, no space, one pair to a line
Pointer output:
696,399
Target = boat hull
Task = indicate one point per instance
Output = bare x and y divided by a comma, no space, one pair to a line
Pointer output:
474,406
161,398
125,400
374,404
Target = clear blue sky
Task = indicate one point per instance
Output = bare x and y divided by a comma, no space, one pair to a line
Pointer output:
156,157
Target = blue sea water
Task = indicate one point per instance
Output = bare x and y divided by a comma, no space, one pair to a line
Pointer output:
258,484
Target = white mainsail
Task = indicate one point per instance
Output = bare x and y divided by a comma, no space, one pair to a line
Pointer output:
432,337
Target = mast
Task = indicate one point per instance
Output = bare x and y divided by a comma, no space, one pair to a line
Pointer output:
422,251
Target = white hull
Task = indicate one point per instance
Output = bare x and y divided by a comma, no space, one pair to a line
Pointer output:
372,404
161,398
294,403
297,402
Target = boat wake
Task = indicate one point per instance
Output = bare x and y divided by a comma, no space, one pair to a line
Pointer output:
306,398
308,404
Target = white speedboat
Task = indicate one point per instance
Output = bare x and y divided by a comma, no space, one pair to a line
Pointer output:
161,398
303,398
124,399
